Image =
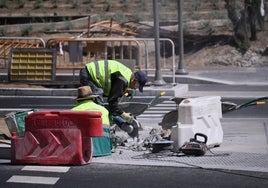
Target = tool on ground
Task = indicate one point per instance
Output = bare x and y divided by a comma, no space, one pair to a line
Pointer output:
160,145
156,143
194,146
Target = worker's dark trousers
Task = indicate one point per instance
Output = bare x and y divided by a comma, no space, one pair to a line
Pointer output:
85,79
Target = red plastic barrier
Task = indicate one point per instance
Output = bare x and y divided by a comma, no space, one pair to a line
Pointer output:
88,122
56,138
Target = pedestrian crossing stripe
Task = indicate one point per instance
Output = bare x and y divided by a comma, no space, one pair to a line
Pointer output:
159,110
38,179
46,168
167,108
33,179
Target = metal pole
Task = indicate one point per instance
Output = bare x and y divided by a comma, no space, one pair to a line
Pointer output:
88,26
181,69
158,76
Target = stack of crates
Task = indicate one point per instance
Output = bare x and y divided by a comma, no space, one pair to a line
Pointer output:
32,65
16,122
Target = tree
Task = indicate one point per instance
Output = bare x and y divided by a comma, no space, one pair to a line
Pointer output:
249,15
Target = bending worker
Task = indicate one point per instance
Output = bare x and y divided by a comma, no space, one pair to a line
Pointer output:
85,102
111,79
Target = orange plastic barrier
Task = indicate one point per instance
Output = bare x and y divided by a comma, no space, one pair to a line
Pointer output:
57,138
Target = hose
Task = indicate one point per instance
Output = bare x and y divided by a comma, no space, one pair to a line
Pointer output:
258,101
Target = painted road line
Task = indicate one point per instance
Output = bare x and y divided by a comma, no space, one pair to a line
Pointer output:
46,168
33,180
168,108
155,112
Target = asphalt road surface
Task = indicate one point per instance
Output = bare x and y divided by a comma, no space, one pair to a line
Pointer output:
117,176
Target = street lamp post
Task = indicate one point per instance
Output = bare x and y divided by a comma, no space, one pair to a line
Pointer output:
180,69
158,76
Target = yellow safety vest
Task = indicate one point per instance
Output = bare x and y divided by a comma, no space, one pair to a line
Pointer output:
100,72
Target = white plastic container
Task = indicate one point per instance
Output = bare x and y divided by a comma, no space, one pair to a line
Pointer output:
198,115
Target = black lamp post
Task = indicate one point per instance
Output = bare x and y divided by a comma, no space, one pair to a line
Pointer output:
180,69
158,76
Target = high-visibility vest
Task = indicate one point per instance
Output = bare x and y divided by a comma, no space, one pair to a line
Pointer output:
101,145
89,105
100,72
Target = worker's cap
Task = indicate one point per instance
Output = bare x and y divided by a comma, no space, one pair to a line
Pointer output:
85,92
142,79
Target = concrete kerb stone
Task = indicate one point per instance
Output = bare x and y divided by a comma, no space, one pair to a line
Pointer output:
25,91
148,91
37,92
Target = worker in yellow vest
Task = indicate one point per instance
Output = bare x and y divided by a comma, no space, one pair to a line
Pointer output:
111,79
85,102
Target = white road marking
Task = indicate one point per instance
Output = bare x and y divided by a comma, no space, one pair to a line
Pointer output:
38,179
167,108
46,168
155,112
33,179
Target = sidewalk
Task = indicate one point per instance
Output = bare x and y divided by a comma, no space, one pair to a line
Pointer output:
229,76
244,148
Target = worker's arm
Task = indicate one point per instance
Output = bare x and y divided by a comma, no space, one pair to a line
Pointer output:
118,89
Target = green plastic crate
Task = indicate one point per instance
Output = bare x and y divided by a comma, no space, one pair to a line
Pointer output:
16,122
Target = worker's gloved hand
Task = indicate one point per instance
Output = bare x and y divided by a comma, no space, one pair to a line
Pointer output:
127,116
130,93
